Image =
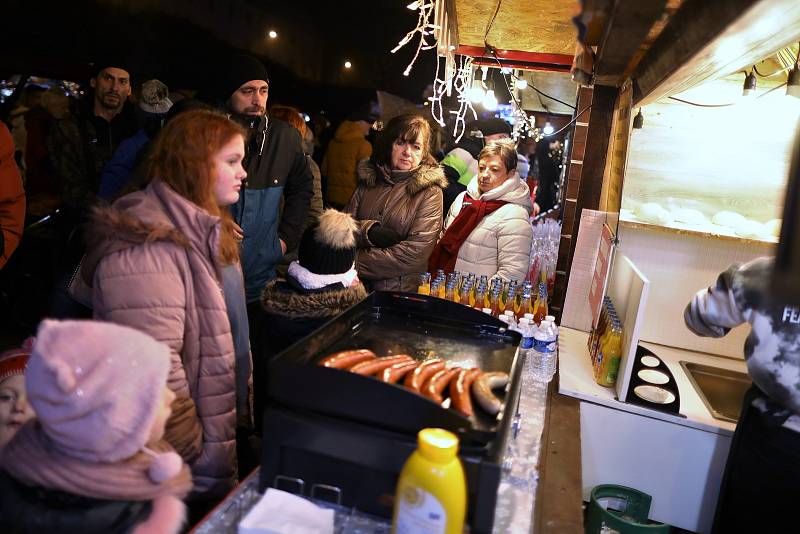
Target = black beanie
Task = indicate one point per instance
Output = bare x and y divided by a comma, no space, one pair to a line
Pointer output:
239,70
329,245
493,126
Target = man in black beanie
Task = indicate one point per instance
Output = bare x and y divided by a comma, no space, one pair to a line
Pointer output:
81,144
276,169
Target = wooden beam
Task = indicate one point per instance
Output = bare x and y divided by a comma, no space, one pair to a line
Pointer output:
594,160
559,493
707,39
628,25
452,18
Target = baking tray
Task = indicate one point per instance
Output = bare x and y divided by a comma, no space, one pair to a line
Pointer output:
399,323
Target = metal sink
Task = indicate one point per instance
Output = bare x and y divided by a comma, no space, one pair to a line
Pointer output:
722,390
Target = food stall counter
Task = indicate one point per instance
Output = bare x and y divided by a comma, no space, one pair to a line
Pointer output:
515,497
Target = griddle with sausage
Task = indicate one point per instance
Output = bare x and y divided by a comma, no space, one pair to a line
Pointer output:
431,378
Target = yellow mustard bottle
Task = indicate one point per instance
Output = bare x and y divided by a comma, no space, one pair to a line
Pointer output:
431,495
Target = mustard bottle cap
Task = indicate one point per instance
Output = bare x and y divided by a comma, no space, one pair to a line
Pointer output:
437,445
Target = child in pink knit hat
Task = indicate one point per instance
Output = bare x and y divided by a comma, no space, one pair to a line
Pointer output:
14,407
93,459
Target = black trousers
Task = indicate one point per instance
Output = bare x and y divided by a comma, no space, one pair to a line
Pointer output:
761,486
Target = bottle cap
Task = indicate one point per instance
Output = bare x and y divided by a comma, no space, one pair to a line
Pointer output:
437,445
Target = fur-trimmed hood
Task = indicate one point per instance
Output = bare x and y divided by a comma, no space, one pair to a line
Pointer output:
280,298
426,176
154,214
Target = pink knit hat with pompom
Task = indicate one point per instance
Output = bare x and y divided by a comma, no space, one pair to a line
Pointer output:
96,387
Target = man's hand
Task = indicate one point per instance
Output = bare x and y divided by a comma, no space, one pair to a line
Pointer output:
283,246
383,237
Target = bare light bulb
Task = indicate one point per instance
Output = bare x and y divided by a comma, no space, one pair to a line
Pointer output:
476,95
347,64
272,34
490,101
548,128
521,84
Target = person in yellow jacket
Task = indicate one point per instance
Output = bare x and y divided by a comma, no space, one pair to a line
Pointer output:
348,146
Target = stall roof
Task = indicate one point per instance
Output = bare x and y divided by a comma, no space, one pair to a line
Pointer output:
526,31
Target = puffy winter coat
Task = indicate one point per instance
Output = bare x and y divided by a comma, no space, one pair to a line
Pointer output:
501,243
292,312
12,198
347,148
411,207
153,264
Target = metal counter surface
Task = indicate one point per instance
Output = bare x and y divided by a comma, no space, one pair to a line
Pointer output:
515,497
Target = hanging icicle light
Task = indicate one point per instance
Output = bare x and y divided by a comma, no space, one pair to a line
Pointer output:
424,27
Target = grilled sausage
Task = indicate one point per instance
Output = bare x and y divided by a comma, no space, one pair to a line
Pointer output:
482,389
459,390
417,378
392,374
370,367
435,385
347,358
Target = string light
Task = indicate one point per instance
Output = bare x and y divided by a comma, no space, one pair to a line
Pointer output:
347,64
272,34
462,82
469,88
424,28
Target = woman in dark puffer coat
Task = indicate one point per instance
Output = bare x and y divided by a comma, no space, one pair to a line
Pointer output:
398,206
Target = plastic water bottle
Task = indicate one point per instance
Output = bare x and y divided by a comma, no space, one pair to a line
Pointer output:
552,334
543,356
512,319
527,331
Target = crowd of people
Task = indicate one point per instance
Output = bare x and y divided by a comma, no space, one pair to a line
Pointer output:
200,239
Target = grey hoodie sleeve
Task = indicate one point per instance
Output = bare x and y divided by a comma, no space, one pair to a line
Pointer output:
714,311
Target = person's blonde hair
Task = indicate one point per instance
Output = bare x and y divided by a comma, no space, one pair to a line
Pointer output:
506,149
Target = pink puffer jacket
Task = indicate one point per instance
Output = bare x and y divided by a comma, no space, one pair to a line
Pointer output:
153,266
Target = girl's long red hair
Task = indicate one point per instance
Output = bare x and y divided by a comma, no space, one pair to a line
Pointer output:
182,157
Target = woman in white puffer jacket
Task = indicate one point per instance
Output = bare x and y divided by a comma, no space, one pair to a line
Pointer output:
488,230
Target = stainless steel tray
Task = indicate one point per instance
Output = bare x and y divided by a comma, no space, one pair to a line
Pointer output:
722,390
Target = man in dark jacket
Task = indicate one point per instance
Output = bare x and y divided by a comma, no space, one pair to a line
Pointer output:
82,144
276,167
79,146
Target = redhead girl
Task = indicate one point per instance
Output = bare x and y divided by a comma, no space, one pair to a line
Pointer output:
165,260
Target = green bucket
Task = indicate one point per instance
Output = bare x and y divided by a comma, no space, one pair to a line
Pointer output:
631,520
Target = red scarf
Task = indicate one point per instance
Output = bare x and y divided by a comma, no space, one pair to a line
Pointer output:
472,212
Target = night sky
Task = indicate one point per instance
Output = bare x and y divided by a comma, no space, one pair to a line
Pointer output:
59,39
